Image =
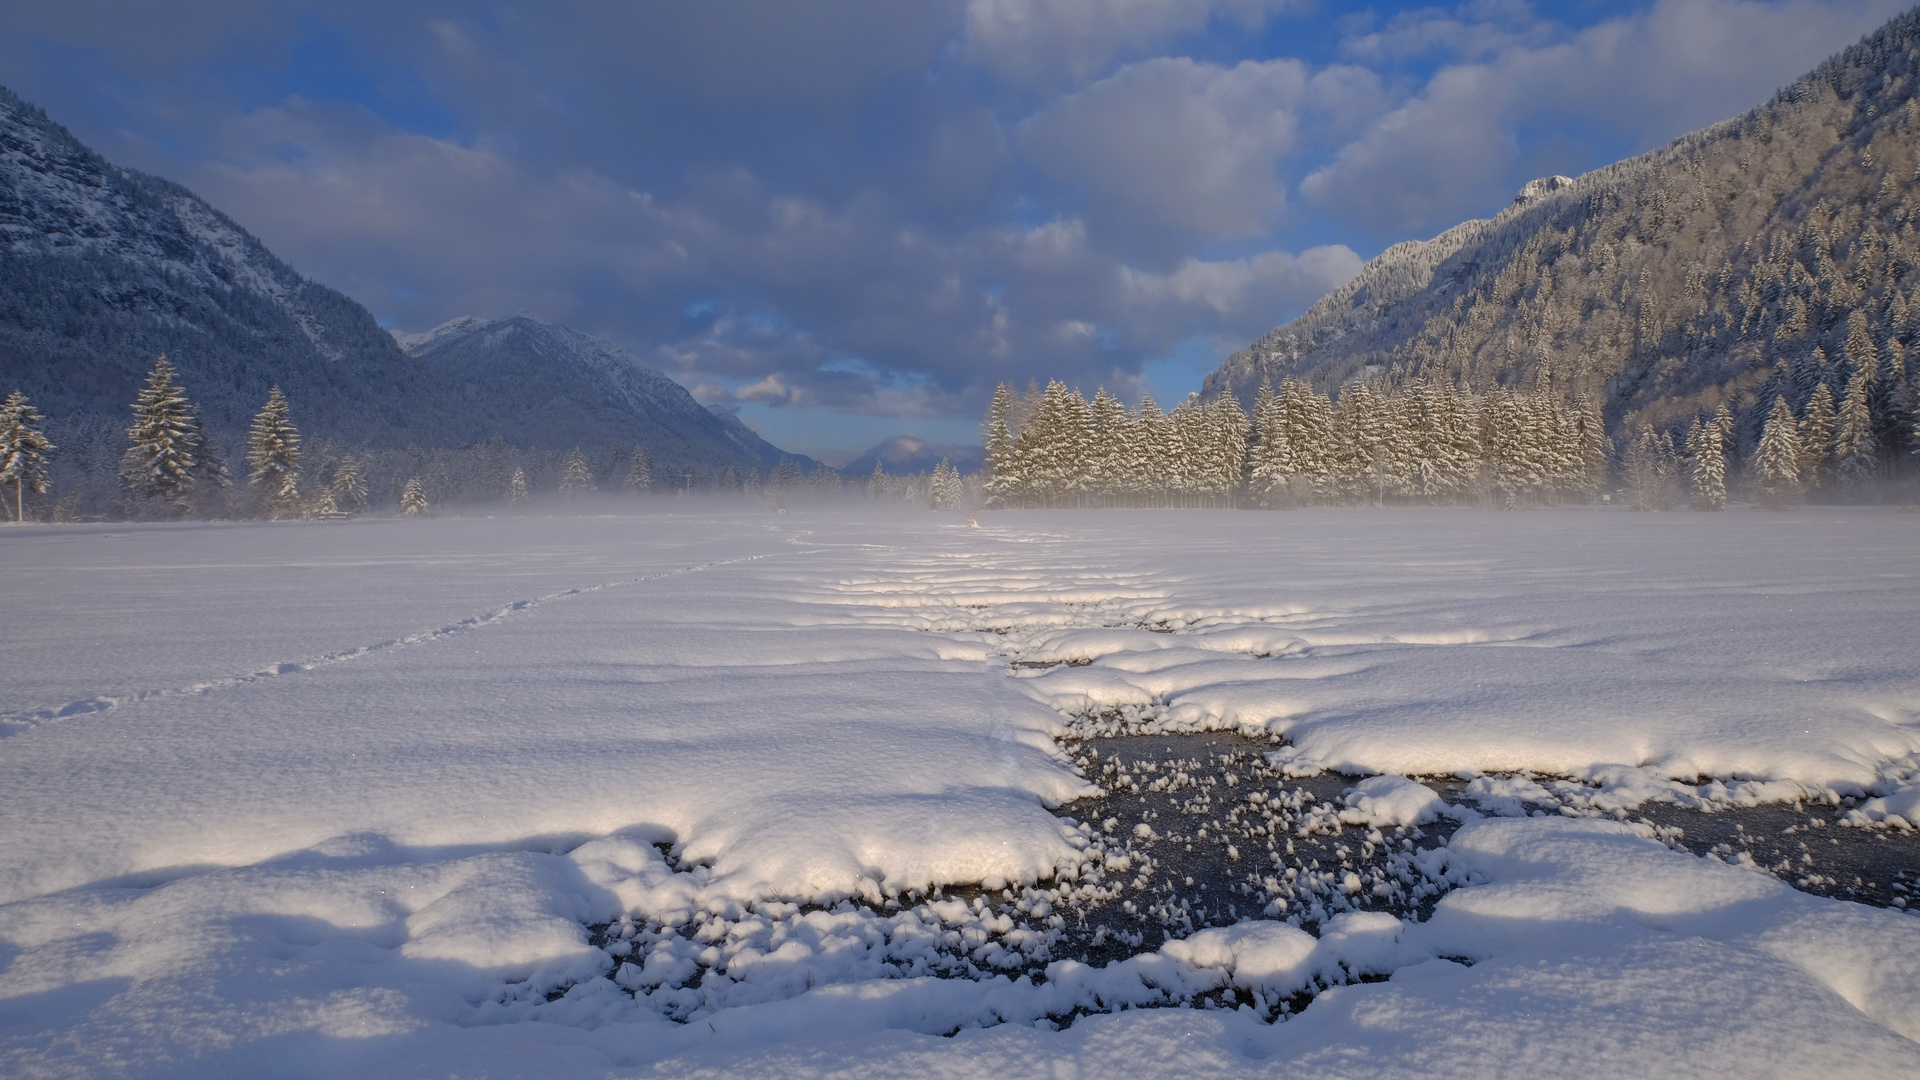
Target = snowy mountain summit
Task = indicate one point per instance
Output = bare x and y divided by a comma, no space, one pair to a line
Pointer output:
1546,185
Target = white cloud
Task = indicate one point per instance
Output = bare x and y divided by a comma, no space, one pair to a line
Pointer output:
1266,284
1048,42
1193,146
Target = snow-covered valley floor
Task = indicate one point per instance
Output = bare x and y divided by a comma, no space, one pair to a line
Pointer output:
739,794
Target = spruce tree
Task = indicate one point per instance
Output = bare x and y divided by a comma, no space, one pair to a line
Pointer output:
23,451
413,498
517,490
639,472
349,485
1652,469
943,490
1002,473
273,456
169,457
1856,449
1816,437
1270,462
577,477
1708,466
1776,463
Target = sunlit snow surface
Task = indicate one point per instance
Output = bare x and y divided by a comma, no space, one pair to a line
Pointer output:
345,798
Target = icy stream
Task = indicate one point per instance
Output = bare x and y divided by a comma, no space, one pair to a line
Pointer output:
1195,830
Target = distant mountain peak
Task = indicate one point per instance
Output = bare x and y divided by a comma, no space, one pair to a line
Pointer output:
901,455
459,324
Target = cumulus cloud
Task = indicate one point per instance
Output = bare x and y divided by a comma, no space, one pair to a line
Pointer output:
1047,42
868,208
1269,282
1186,145
1451,150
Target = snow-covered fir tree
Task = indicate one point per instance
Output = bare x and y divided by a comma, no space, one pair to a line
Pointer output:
1002,479
943,487
273,457
577,478
1707,466
413,498
1816,437
1653,470
169,461
349,487
24,451
1776,462
517,490
639,471
1856,445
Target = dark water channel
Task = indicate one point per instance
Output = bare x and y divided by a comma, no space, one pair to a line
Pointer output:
1196,830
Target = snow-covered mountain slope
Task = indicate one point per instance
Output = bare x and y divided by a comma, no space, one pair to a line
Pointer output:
905,454
1743,261
541,385
102,269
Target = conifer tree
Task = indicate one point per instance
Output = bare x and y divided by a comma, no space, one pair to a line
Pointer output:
273,456
1002,476
1776,463
639,472
413,498
517,490
1816,437
23,451
1590,442
1308,420
577,477
169,457
1106,464
1270,461
1652,468
1707,466
943,489
1154,447
349,485
1856,449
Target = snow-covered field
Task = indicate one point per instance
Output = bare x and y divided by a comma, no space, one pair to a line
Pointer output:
359,798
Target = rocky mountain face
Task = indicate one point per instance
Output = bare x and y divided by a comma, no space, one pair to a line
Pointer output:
535,384
1765,256
102,269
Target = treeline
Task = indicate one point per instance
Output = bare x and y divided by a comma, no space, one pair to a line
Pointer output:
1432,443
167,465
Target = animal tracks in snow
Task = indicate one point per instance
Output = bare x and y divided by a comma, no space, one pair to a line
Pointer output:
13,723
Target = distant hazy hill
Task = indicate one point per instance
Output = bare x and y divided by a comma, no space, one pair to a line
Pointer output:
102,269
906,454
1706,272
544,386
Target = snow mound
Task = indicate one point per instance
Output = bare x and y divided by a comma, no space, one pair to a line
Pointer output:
1389,801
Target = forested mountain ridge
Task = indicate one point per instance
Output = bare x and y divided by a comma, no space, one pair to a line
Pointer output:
102,269
1765,256
545,386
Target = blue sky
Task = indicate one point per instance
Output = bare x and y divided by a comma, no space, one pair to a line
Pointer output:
850,219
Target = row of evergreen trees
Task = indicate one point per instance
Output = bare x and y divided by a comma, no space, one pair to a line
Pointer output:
1427,442
166,464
